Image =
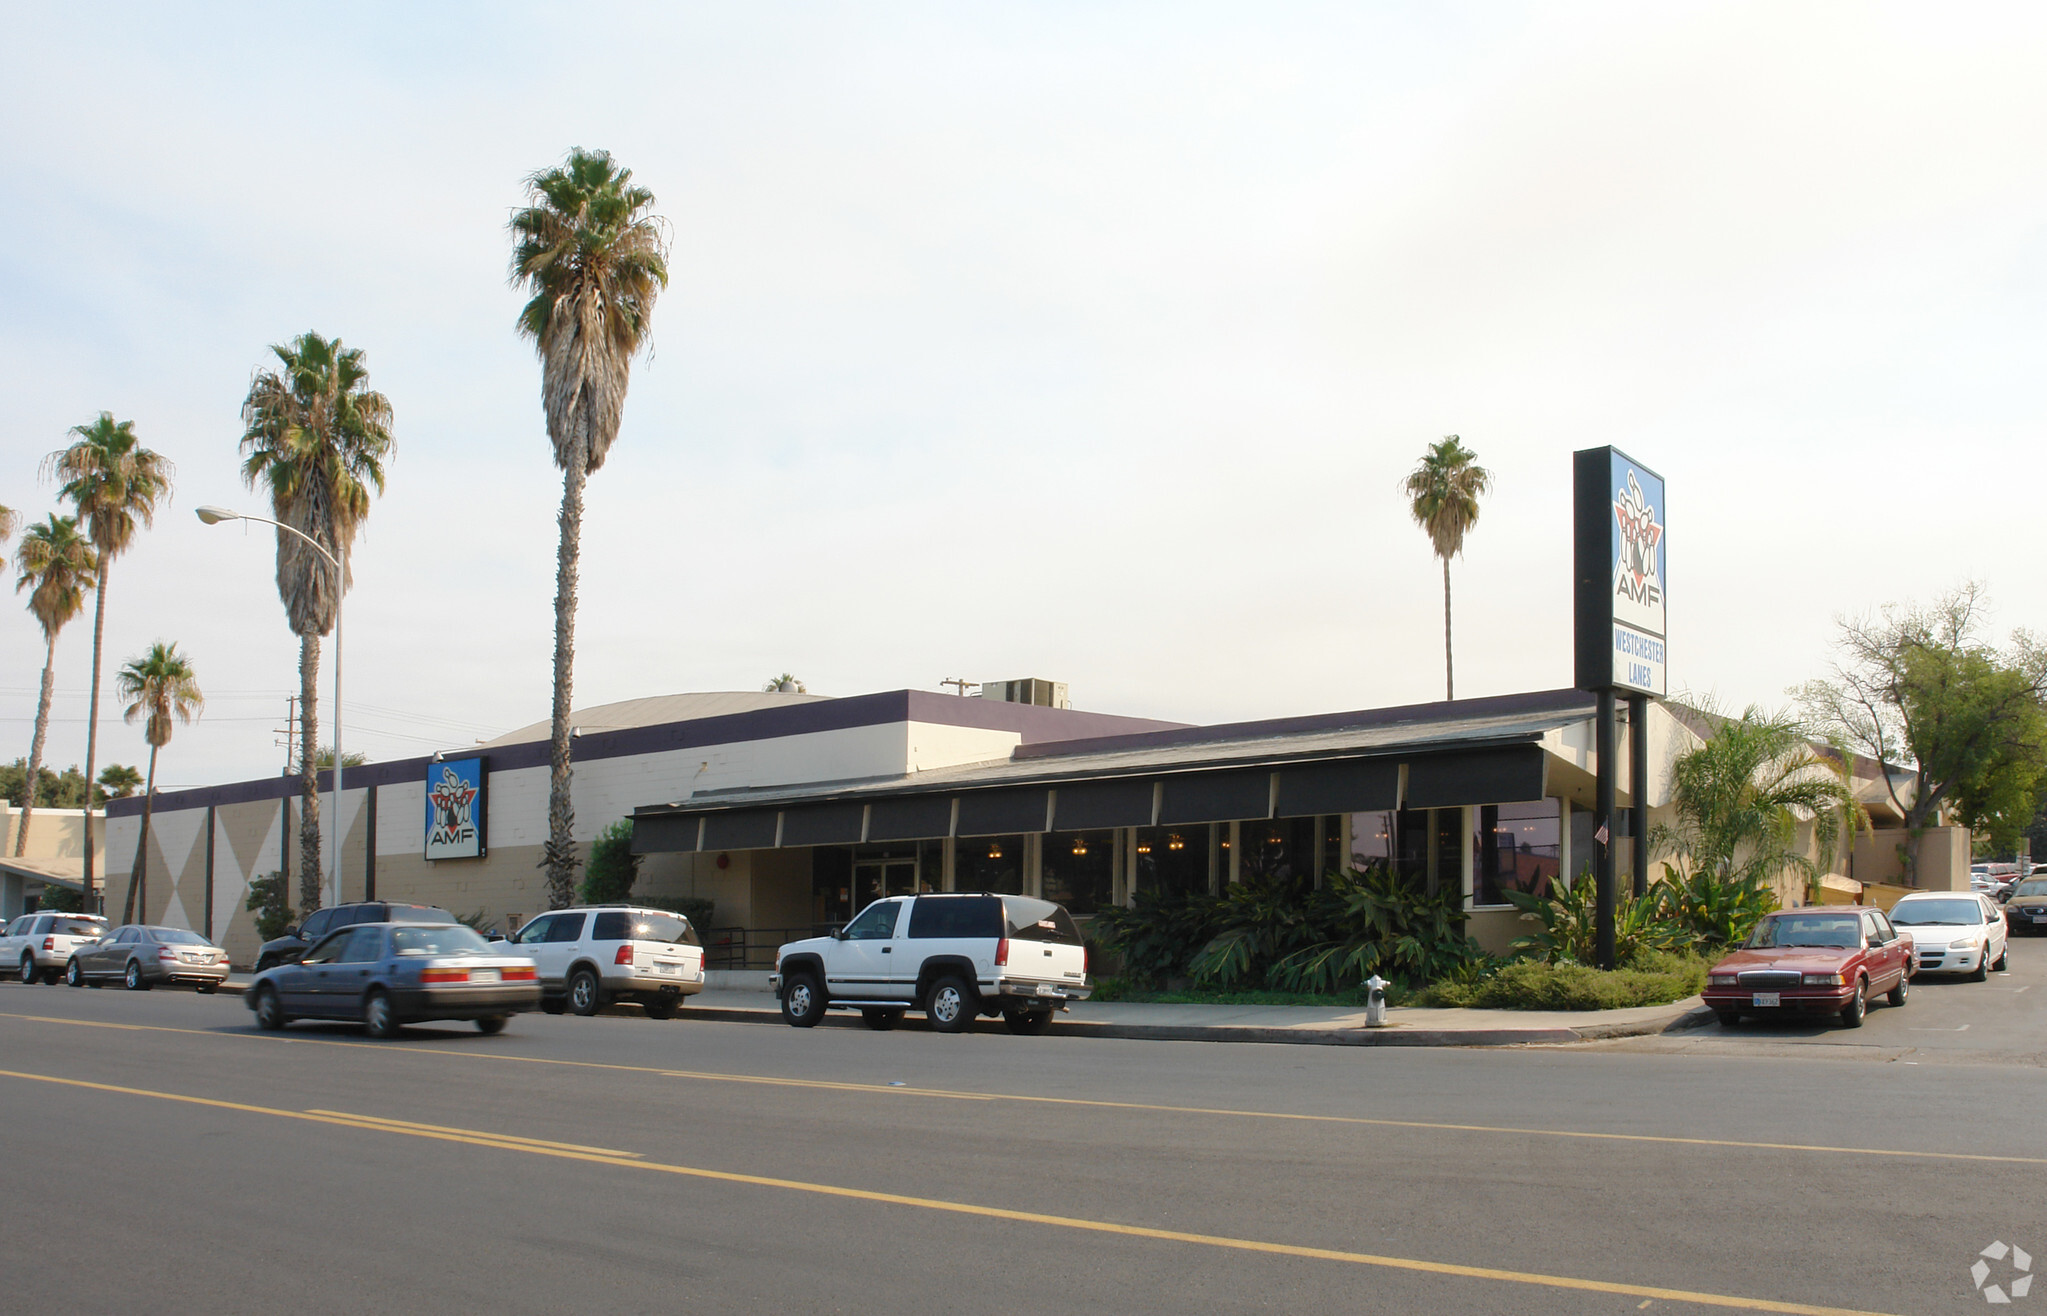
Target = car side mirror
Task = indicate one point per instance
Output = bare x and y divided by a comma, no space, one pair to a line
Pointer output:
838,934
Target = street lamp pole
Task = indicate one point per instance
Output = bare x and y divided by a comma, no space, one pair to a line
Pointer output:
216,515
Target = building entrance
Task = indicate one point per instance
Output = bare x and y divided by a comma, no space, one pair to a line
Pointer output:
875,878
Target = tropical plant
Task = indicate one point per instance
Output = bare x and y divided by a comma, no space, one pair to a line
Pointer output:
161,687
57,567
315,436
8,521
593,257
116,484
1738,800
271,904
118,781
1386,925
613,868
325,758
786,684
1569,916
1717,911
1443,493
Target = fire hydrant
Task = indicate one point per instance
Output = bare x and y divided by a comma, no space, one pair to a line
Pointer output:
1375,1002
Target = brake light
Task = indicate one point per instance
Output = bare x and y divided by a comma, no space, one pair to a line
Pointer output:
1087,965
166,953
526,974
1002,952
444,975
625,954
49,943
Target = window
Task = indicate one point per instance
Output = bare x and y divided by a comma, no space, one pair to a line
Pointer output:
74,927
988,863
1514,847
328,951
534,932
41,926
1173,860
956,916
567,927
316,924
1039,920
1890,933
17,928
127,936
876,922
625,925
178,937
438,941
363,946
1078,869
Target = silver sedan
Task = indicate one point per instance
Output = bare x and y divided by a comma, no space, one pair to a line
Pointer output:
140,956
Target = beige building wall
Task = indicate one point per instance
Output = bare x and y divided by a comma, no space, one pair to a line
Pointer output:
52,833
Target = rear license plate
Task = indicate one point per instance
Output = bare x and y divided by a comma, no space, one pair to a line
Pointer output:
663,966
485,975
1765,999
1047,989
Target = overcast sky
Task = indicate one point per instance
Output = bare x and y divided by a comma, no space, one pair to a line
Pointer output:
1087,342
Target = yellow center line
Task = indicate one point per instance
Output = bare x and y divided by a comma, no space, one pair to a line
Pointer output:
480,1138
1365,1121
408,1126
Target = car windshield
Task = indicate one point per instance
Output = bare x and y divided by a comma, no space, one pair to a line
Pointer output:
178,937
1951,912
68,927
2032,886
1837,930
439,941
419,914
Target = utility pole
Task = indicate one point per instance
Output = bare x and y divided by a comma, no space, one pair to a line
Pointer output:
959,684
290,732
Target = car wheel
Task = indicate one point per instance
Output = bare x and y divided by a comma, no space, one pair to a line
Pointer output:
553,1005
1028,1023
1727,1018
378,1018
73,975
803,1001
881,1020
491,1025
586,996
1851,1013
270,1015
28,969
2003,956
658,1007
133,979
1982,973
206,988
1897,994
951,1006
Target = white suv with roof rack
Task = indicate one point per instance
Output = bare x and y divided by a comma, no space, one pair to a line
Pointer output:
38,946
954,956
593,955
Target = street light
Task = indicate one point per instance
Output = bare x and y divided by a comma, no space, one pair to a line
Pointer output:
216,515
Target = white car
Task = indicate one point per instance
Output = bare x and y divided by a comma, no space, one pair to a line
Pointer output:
1953,932
594,955
38,946
954,956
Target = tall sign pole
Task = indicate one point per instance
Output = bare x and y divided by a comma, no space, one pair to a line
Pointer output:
1619,559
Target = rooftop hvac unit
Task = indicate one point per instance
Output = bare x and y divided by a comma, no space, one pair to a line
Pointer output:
1045,694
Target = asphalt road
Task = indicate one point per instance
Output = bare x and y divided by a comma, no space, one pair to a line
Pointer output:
158,1148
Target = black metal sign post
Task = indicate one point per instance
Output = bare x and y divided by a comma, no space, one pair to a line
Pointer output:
1618,596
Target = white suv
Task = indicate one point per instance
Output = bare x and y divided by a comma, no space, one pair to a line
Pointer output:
953,956
596,954
38,946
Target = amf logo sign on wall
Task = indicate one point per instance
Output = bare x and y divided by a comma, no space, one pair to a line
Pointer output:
455,808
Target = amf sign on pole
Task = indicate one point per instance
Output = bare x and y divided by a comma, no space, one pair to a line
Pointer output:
1621,600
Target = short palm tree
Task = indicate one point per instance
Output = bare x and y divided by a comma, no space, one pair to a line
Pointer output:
159,686
115,483
593,257
57,567
315,436
1443,493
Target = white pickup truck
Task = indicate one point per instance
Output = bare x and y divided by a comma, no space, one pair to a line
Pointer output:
953,956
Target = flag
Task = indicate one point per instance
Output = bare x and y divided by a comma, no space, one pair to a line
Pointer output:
1602,835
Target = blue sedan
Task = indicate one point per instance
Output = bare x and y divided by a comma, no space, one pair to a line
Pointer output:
387,975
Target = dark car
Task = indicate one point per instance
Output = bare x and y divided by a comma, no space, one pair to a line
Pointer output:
2027,907
285,949
387,975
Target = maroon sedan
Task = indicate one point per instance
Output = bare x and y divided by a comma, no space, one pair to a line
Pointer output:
1824,959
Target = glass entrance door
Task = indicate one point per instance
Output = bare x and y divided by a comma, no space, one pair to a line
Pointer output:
875,878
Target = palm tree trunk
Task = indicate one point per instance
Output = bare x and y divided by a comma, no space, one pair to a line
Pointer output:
559,857
138,877
87,901
1449,676
309,775
35,748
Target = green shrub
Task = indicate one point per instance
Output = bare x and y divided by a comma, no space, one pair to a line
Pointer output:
60,900
609,875
1653,978
268,902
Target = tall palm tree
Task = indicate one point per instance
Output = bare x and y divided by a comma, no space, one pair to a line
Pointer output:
316,437
115,483
57,567
160,686
593,256
1442,494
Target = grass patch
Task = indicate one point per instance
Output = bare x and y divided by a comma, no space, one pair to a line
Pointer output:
1651,978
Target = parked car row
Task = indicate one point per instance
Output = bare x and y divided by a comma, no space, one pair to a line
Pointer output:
1838,959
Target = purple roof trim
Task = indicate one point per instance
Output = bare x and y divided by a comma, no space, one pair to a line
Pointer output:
1542,701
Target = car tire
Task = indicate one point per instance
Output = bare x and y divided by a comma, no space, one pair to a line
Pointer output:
586,994
379,1019
1028,1023
1727,1018
491,1025
73,975
2003,956
951,1005
1851,1013
660,1008
270,1015
803,1000
1982,971
206,988
28,970
133,979
881,1020
553,1005
1898,994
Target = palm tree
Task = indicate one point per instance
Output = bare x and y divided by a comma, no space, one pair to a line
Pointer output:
118,781
1443,493
57,567
115,483
8,520
593,256
161,686
316,437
